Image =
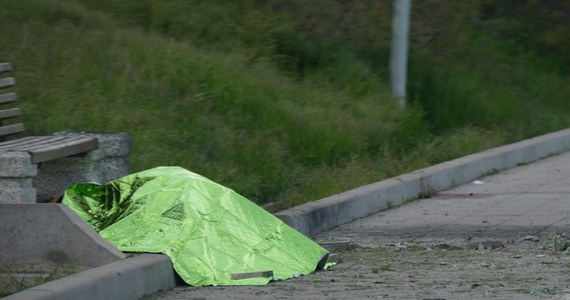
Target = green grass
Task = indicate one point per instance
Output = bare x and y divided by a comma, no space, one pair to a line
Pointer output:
282,102
558,242
17,279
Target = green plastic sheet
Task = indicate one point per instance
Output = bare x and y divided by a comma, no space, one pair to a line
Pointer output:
212,234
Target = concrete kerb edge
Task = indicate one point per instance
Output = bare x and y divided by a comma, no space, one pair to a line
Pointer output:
87,230
315,217
131,278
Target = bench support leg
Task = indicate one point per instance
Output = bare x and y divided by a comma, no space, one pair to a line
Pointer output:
16,178
102,165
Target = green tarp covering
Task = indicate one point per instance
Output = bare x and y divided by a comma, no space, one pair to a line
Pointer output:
213,235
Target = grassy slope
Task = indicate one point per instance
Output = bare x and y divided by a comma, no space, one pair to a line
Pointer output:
226,108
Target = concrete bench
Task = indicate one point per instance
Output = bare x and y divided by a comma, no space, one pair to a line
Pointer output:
35,168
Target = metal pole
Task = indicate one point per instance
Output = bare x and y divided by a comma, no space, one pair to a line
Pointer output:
399,53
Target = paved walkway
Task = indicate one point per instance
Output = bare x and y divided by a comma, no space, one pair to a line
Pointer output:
527,200
438,233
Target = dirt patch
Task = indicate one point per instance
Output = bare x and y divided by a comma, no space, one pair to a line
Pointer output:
419,270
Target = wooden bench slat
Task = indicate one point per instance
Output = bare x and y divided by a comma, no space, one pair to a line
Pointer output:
11,129
5,67
53,147
7,82
8,98
63,150
9,113
36,142
14,144
87,141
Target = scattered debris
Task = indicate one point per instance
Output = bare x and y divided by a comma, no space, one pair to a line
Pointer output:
335,258
446,247
478,182
386,267
531,238
337,245
239,276
492,244
400,247
486,265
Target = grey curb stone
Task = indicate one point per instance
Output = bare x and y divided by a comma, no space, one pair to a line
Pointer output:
131,278
315,217
42,233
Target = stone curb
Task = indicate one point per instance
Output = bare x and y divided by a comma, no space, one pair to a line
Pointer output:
131,278
51,233
315,217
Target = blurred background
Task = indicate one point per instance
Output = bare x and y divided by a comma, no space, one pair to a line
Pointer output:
288,101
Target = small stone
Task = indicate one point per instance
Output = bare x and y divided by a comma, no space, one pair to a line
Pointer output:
400,247
333,280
